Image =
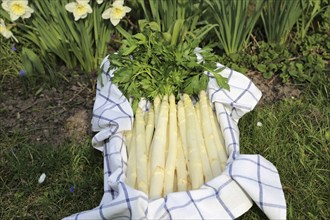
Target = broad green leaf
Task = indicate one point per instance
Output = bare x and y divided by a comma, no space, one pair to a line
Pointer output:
154,26
35,60
140,37
261,67
222,81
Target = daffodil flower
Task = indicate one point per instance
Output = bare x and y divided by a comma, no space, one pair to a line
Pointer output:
80,9
116,12
17,9
99,1
5,31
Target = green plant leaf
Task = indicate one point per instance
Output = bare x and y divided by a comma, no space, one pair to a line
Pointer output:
262,68
35,60
222,81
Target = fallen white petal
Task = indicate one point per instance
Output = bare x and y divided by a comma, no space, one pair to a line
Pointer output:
42,178
259,124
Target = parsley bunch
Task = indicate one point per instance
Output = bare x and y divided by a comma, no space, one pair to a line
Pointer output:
147,65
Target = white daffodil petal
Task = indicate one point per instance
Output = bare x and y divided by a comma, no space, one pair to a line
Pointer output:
5,5
118,3
106,14
127,9
82,1
114,21
83,16
76,15
13,17
89,9
4,31
71,6
99,1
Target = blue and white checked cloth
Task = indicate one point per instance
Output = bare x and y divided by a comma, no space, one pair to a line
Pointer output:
246,179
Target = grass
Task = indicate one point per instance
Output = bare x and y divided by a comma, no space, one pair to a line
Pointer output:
70,165
10,60
292,137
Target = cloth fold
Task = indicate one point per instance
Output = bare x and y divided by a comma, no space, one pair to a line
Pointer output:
246,178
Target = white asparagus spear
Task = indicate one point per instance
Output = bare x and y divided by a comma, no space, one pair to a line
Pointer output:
150,127
208,135
182,128
181,167
207,171
128,137
141,152
158,146
172,147
156,109
195,164
219,140
131,162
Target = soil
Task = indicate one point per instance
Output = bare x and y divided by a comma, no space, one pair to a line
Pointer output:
63,113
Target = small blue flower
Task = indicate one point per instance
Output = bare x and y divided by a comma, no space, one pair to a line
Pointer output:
71,189
13,48
21,72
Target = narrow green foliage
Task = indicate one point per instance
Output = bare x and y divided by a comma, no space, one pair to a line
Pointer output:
235,21
148,64
178,19
10,61
31,61
279,17
311,9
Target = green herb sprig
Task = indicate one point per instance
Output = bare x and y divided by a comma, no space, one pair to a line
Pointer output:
147,65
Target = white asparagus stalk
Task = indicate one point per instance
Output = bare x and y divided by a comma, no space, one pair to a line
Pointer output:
219,140
131,162
181,167
150,127
128,137
158,147
156,109
145,117
182,127
209,136
141,152
172,147
207,171
195,164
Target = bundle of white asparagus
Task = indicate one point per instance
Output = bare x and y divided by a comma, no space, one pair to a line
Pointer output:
174,147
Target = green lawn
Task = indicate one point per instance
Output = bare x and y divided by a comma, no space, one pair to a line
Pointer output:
293,137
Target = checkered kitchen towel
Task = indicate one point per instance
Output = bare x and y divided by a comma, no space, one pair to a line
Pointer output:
246,179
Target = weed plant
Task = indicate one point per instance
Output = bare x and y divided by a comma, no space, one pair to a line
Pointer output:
301,61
